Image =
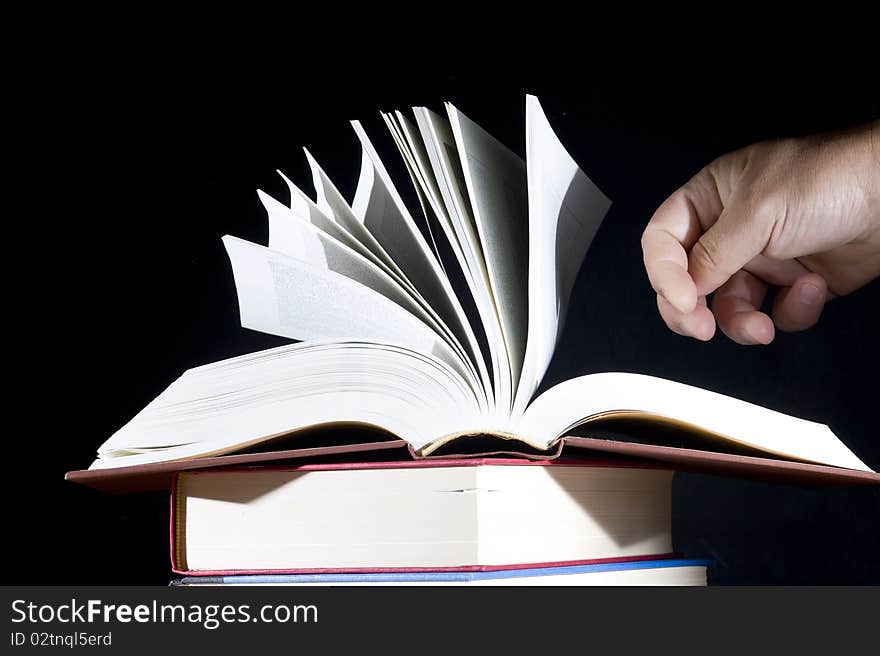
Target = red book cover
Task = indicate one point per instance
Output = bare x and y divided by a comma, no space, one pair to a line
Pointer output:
158,476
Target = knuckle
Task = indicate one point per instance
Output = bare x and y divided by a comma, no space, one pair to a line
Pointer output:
766,206
707,252
767,212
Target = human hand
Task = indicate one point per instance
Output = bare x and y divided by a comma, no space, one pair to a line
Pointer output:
801,214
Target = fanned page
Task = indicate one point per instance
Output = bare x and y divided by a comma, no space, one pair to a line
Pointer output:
420,184
381,210
331,203
565,211
574,402
445,165
288,297
496,184
285,236
384,233
440,163
305,242
283,232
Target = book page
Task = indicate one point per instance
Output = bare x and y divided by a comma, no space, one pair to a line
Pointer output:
386,217
428,209
378,206
497,187
283,296
572,402
565,211
415,152
243,401
442,151
305,242
331,202
286,233
283,234
413,149
302,207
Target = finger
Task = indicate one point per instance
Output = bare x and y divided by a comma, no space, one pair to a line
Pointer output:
726,247
674,228
781,273
735,306
699,324
798,307
666,265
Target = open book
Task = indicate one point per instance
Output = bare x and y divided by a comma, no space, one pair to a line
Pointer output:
436,327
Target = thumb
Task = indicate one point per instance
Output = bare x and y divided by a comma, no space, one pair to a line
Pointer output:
725,248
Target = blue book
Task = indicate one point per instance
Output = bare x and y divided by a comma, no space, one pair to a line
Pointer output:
647,572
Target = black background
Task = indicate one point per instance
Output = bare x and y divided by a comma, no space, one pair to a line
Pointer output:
119,282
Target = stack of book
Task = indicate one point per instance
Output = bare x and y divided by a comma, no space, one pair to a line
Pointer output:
480,521
427,340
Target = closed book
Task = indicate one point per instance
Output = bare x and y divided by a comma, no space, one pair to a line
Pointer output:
474,514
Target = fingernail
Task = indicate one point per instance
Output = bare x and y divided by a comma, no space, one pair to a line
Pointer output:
809,294
760,335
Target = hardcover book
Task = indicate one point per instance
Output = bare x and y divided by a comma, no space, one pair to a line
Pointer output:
456,515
